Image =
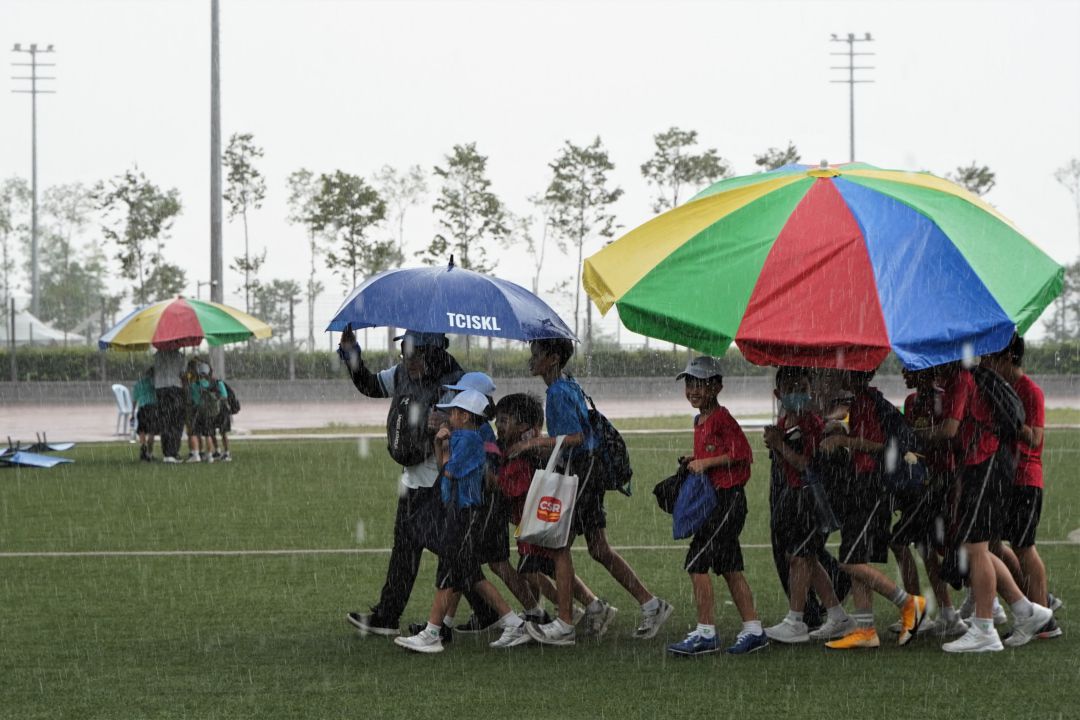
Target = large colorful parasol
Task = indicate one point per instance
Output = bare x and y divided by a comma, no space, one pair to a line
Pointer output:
182,322
830,266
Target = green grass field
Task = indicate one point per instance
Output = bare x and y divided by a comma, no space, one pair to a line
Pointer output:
263,635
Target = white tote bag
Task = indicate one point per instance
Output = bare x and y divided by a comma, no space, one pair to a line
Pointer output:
549,506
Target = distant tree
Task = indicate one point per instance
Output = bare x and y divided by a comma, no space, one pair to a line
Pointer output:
14,201
138,216
468,212
248,266
70,288
522,232
674,166
303,186
165,280
774,158
976,179
1063,325
401,191
347,210
1069,177
245,190
271,303
580,202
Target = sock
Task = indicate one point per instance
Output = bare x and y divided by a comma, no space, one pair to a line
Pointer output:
433,630
899,596
983,625
997,605
794,616
564,627
448,621
949,614
836,613
706,631
752,627
595,606
864,619
511,620
651,606
1022,608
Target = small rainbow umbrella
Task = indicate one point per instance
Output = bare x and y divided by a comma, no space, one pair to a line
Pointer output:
829,266
182,322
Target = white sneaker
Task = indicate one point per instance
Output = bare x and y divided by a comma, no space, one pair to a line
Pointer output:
193,458
424,642
169,460
226,457
975,641
833,629
577,614
651,622
1024,630
952,629
1000,618
597,622
931,627
551,634
788,631
512,636
209,458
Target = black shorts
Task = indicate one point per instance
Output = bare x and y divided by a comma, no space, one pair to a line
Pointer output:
795,523
864,511
148,419
223,421
980,510
715,546
459,561
494,533
1024,511
202,425
589,513
924,514
542,564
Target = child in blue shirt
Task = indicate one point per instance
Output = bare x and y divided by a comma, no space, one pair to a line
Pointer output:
459,450
567,415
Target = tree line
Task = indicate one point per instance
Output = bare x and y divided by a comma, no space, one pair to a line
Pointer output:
355,227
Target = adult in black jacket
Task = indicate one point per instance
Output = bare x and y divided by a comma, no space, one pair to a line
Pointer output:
414,385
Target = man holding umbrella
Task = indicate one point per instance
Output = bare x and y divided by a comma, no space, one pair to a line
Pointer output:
414,385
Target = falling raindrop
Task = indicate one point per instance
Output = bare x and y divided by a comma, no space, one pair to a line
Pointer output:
363,446
361,532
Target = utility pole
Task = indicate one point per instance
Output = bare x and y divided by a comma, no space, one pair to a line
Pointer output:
33,50
217,279
851,67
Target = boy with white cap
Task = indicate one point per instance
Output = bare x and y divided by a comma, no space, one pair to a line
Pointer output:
459,450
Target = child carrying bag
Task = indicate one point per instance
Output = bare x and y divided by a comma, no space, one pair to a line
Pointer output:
548,515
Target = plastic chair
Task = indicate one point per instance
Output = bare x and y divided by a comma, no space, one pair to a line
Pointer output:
123,408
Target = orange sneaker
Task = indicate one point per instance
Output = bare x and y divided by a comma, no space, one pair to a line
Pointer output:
857,638
911,616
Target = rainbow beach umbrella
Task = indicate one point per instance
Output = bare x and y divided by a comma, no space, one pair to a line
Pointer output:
182,322
829,266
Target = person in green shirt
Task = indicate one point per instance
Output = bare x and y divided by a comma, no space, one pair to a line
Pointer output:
146,414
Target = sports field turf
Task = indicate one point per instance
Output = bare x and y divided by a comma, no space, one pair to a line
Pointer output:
263,635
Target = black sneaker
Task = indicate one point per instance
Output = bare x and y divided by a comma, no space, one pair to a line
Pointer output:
445,634
369,623
540,619
476,625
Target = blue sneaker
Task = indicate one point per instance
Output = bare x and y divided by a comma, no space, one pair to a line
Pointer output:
746,644
694,645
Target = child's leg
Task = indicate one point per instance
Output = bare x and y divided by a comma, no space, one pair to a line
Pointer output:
444,598
933,573
703,598
740,595
451,608
582,593
909,571
1008,557
1034,574
613,562
491,596
564,584
224,441
822,584
515,584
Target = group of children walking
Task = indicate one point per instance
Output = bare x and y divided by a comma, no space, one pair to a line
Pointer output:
844,459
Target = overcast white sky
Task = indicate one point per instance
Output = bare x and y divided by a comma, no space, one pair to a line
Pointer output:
355,85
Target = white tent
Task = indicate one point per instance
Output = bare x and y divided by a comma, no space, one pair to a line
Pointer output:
31,331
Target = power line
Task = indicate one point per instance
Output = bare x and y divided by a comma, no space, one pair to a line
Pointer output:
851,67
33,51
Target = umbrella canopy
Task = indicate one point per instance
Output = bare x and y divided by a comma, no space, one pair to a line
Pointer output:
182,322
828,266
449,300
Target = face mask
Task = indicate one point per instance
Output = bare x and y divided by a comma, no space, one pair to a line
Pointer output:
795,402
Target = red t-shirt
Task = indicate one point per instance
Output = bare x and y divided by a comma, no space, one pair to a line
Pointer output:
515,477
962,402
865,424
1029,470
719,434
803,436
925,411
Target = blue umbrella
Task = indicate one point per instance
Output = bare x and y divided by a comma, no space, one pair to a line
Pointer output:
449,300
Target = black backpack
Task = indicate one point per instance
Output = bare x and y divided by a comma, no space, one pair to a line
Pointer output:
1006,408
897,476
232,402
408,439
611,464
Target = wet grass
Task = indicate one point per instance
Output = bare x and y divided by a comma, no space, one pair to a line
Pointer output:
264,636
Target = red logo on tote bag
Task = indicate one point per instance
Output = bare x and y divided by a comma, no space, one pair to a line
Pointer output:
549,509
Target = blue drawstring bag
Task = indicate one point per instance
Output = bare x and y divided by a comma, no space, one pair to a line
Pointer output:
696,502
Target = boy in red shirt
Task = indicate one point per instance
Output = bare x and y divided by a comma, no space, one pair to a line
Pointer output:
794,442
1024,498
864,532
721,452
